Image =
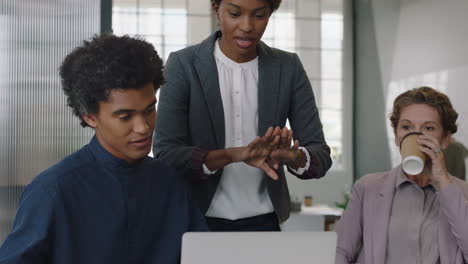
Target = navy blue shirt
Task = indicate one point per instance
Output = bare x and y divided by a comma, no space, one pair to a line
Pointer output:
94,208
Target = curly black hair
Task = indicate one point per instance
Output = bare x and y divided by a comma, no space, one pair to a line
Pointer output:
105,63
274,4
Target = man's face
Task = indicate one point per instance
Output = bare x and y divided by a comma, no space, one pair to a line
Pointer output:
124,124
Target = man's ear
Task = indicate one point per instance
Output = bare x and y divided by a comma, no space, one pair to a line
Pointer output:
90,119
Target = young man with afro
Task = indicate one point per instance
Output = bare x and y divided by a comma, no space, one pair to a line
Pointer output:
108,202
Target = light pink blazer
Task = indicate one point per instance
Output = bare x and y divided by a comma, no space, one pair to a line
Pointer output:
363,228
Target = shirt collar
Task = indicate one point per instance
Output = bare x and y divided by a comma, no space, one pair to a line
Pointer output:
220,56
106,157
402,178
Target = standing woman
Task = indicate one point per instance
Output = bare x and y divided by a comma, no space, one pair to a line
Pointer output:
219,96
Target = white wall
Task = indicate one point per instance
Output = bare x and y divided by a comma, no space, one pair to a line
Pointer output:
430,48
339,179
418,42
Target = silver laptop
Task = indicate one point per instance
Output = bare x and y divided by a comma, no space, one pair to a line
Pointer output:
258,247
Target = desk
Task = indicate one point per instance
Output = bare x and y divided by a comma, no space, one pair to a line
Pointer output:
313,218
331,214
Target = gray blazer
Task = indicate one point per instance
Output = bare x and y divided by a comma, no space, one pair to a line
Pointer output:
363,228
191,119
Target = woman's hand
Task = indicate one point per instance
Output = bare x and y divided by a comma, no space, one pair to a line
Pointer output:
432,148
284,153
256,153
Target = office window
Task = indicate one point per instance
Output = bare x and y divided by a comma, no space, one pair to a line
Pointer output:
314,30
169,25
37,129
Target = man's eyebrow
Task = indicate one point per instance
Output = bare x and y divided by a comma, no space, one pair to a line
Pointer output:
123,111
151,104
260,8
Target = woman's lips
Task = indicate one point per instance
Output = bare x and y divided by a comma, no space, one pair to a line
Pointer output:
244,42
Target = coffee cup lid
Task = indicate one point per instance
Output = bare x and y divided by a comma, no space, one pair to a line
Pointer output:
412,165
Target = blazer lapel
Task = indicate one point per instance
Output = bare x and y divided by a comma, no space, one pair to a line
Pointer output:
446,247
205,65
269,70
447,244
382,209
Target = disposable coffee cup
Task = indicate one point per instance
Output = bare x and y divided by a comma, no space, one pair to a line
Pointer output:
412,158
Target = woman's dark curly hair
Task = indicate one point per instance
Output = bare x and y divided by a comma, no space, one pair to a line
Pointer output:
106,63
431,97
274,4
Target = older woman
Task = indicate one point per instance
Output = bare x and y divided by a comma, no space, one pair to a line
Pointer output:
222,93
394,217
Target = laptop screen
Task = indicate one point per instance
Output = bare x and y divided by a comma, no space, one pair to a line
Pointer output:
258,247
